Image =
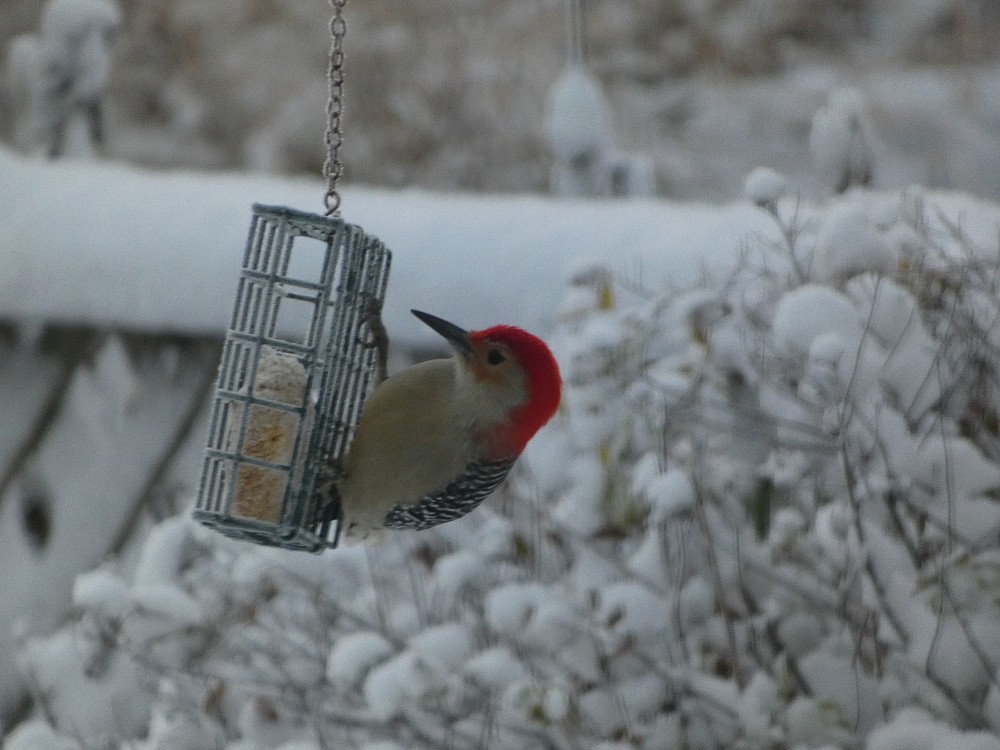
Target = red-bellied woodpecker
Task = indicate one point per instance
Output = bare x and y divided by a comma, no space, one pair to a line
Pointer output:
435,439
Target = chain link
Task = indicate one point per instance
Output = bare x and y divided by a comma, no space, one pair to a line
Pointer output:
332,167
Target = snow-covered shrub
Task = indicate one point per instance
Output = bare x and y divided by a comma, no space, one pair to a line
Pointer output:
77,44
842,141
22,79
765,517
585,161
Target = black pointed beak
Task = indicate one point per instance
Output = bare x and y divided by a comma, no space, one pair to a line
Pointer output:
457,337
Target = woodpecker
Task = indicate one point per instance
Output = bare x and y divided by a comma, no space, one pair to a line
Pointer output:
435,439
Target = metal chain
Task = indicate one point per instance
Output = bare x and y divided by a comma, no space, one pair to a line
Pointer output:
332,167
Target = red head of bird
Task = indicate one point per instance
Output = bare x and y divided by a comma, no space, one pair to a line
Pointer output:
507,382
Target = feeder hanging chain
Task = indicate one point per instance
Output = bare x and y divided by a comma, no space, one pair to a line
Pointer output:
332,167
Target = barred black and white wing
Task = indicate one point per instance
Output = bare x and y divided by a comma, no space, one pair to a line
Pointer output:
476,483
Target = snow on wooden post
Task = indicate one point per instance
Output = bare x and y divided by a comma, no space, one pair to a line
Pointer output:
295,369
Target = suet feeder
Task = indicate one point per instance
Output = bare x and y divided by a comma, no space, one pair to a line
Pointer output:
296,364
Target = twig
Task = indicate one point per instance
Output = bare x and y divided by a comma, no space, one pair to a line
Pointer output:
716,573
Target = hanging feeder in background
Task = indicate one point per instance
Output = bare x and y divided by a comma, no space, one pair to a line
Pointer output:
296,364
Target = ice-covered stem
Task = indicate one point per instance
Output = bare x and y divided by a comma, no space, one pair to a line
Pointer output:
716,573
790,229
950,695
989,666
878,587
791,663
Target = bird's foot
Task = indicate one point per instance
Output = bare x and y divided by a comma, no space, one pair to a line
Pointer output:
378,337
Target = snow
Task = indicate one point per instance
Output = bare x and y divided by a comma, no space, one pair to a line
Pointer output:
447,645
169,603
579,121
527,700
837,685
642,697
103,702
161,250
601,709
757,704
37,735
648,562
848,244
764,186
753,521
811,311
509,607
945,644
74,65
162,555
696,603
353,655
67,482
580,507
62,18
629,610
24,61
670,493
552,625
495,668
915,730
806,724
103,592
579,116
387,687
955,466
458,571
842,140
75,39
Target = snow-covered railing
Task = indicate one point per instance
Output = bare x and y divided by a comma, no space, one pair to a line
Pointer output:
477,258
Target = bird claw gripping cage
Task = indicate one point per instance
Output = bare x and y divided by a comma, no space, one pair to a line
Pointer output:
296,365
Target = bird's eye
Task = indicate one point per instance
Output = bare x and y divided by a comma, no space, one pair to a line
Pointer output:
495,356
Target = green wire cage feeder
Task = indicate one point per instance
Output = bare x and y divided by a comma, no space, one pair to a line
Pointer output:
296,365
